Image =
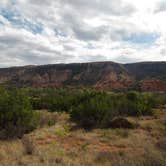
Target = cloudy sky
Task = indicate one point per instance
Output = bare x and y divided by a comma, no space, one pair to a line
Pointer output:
66,31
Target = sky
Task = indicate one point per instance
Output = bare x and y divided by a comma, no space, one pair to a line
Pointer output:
35,32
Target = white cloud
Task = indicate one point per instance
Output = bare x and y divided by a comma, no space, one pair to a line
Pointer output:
64,31
161,6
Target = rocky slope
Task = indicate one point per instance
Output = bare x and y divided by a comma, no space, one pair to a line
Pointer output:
100,75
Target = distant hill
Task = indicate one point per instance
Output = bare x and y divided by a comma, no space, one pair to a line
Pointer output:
144,76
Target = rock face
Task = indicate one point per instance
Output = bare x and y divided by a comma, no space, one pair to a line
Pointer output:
153,84
147,76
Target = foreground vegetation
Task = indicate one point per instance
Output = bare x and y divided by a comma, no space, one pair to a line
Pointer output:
95,109
61,144
87,108
16,114
49,127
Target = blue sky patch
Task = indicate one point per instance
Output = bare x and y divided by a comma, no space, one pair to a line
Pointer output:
142,38
13,2
15,18
58,32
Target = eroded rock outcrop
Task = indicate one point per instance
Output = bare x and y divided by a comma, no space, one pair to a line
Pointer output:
146,76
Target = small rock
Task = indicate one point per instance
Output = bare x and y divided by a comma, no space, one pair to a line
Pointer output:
121,123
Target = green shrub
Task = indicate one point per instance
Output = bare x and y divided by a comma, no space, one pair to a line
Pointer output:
90,108
94,110
97,109
51,122
16,115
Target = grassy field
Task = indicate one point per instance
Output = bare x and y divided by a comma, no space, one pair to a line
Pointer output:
60,143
